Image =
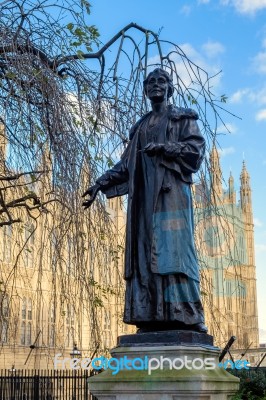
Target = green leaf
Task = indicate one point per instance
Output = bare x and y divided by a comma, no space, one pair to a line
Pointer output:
76,44
110,163
97,302
80,54
224,98
87,5
93,31
70,26
79,32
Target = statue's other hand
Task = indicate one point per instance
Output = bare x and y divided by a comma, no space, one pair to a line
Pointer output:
92,192
153,149
172,150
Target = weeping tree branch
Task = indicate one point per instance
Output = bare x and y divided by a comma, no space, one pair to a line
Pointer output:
65,120
19,175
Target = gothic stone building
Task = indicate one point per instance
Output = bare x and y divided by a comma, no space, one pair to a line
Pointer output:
59,288
225,240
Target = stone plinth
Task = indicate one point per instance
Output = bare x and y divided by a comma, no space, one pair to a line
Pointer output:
166,338
187,379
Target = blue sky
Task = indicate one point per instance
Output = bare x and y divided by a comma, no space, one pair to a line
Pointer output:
227,35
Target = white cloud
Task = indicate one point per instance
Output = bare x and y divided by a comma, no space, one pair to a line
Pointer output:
227,128
237,97
261,115
226,151
203,1
192,67
264,43
257,222
260,247
259,62
200,60
246,6
212,49
190,51
186,9
248,94
252,96
258,97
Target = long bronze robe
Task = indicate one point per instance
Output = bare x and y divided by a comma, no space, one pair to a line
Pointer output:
161,266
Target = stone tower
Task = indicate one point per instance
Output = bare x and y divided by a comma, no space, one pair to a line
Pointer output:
250,269
216,176
225,240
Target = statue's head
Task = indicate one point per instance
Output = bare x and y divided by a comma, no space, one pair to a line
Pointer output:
162,72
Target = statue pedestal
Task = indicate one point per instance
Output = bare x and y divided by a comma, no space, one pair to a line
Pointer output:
177,365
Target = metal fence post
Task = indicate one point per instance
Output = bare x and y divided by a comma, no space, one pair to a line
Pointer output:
86,394
36,387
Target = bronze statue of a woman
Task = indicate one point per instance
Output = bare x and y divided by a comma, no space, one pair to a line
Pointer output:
155,170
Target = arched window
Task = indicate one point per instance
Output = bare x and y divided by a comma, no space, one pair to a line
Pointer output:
23,333
70,325
107,329
107,320
29,309
26,321
54,251
24,308
242,247
7,242
212,238
92,252
70,256
51,327
229,295
28,334
4,318
29,239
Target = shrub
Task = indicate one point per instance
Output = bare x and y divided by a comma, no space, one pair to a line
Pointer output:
252,385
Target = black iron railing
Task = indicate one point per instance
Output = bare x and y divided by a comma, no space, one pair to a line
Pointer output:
44,385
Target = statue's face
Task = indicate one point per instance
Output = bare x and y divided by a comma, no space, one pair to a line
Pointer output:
157,88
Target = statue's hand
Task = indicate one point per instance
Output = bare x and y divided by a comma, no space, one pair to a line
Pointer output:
153,149
172,151
92,192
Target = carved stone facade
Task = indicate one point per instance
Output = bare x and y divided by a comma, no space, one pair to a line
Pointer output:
225,240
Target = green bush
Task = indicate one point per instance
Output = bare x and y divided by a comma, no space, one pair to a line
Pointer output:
252,385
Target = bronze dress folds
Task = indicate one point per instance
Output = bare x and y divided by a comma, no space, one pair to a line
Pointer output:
161,267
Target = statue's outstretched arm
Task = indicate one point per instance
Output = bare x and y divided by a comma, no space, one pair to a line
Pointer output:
111,178
92,192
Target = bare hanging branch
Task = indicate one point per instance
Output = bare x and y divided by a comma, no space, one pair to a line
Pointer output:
67,103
